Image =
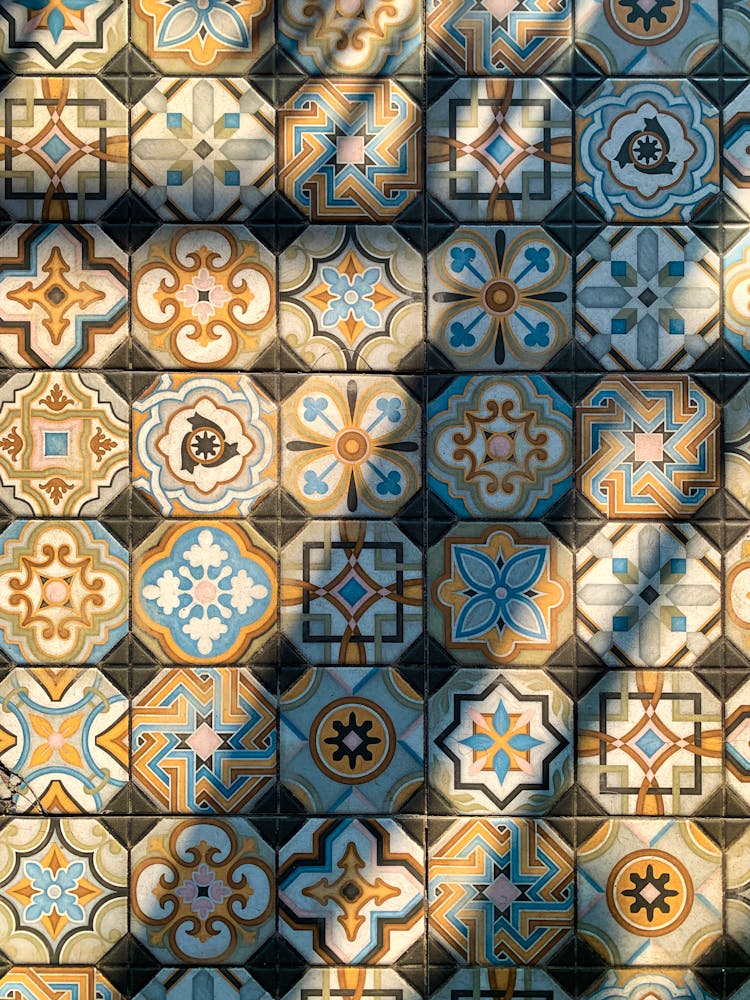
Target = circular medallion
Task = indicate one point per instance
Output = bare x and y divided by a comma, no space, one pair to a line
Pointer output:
352,740
500,296
650,893
646,22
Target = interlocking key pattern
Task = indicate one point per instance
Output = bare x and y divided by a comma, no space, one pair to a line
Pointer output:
375,500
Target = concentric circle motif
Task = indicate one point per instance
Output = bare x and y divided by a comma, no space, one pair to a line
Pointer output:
650,893
643,24
352,740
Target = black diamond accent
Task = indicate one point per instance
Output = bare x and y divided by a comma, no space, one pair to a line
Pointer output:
648,594
647,297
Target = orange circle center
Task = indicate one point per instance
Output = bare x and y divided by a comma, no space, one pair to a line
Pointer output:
352,446
500,296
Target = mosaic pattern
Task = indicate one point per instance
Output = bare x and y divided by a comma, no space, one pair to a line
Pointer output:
220,984
349,149
63,296
49,983
499,150
351,298
647,298
44,37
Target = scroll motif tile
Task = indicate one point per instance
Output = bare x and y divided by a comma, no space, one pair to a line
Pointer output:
499,298
220,36
500,446
352,740
627,38
351,891
47,36
351,298
63,592
62,890
647,298
648,446
57,983
351,445
356,37
635,984
649,595
499,150
351,592
737,899
203,592
202,149
204,444
735,121
500,742
360,983
737,741
650,743
202,891
349,150
501,891
63,296
487,38
204,740
737,595
64,444
496,983
649,892
647,150
737,297
66,733
500,592
227,983
65,148
203,297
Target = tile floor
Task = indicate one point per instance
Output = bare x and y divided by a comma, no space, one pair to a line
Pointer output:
375,500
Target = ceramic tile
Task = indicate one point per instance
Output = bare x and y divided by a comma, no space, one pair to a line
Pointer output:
737,896
351,298
736,299
48,36
351,891
649,892
203,591
501,891
218,984
349,150
500,743
359,982
736,454
351,445
499,298
202,891
737,744
736,28
204,444
647,298
737,593
501,984
647,447
57,983
499,150
500,592
204,740
351,740
499,446
648,595
635,984
736,164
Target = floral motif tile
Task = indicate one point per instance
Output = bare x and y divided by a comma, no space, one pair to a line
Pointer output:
648,446
65,148
203,592
501,891
500,446
647,150
351,298
737,741
499,297
350,36
648,595
204,740
64,444
204,444
202,149
82,982
350,150
63,296
63,890
203,297
500,592
629,38
202,891
736,166
499,150
65,732
649,892
647,298
351,891
650,743
352,445
351,592
63,592
498,983
44,36
637,984
351,740
500,743
219,36
488,38
357,982
737,594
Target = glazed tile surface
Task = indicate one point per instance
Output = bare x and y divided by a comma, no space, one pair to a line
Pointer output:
374,500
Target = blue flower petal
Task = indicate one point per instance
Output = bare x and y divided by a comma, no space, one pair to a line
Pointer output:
476,568
523,569
501,764
479,614
523,616
501,719
522,741
479,741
